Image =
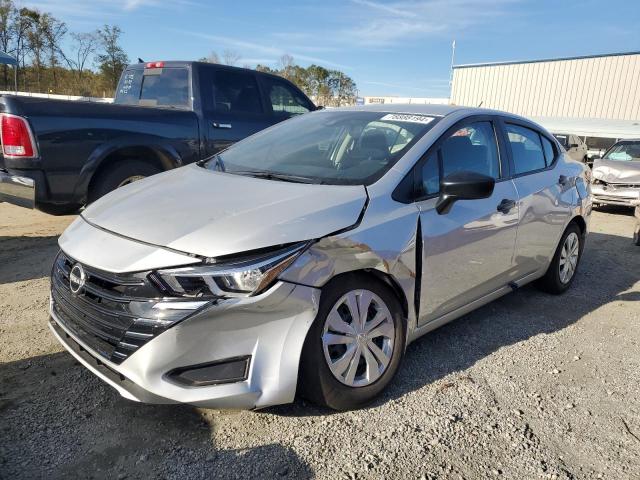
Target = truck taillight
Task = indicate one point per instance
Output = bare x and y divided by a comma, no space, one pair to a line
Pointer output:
155,65
16,137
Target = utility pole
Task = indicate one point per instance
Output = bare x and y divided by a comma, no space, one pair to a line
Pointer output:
453,56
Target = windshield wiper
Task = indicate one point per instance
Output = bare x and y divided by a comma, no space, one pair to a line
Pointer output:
284,177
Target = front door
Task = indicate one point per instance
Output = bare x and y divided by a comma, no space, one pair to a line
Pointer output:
467,252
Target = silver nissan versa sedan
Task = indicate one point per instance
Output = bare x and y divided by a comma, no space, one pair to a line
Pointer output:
306,257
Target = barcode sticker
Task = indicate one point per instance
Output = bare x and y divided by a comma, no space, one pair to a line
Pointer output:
406,117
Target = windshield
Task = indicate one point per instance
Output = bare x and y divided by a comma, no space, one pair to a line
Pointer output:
624,152
334,147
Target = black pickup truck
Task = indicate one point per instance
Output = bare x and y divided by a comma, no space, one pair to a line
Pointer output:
59,155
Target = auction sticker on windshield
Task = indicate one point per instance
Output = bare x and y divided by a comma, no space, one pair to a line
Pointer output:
406,117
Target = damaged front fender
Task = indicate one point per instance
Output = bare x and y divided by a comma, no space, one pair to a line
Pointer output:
379,244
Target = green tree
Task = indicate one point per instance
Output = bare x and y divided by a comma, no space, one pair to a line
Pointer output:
112,59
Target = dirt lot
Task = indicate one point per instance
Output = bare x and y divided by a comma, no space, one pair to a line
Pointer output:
531,386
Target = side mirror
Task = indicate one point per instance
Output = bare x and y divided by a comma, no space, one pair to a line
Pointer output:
595,156
463,186
319,107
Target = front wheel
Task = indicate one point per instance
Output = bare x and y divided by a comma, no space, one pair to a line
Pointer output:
564,264
355,345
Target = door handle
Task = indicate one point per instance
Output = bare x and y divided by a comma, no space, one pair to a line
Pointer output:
506,205
562,180
221,125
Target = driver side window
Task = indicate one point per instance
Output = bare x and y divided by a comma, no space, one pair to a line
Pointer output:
470,148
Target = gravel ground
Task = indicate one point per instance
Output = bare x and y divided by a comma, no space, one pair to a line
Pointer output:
530,386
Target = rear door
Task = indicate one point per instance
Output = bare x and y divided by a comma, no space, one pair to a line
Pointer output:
232,106
467,252
545,196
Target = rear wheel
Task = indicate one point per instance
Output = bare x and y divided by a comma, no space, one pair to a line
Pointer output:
564,264
355,344
121,174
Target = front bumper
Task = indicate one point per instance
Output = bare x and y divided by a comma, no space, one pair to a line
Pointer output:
17,190
611,194
270,328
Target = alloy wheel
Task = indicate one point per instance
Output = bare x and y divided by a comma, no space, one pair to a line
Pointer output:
569,257
358,338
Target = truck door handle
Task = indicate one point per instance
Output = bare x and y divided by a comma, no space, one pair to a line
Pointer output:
221,125
506,205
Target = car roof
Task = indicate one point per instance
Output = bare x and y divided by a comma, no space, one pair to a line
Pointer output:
432,109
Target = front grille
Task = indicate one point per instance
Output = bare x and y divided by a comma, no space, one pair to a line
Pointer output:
107,312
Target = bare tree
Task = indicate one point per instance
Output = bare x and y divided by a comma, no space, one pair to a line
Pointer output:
35,38
7,10
112,60
286,64
211,58
54,31
231,57
83,47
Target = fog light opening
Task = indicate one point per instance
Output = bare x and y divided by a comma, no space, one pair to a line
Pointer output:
229,370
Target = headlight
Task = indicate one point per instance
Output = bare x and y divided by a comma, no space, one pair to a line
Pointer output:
240,277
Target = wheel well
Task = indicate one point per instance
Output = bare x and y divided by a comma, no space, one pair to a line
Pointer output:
581,223
384,278
156,158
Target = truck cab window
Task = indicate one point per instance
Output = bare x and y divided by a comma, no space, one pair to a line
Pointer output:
236,92
284,99
168,88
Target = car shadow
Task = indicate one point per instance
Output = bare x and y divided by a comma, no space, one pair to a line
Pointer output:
26,258
60,421
513,318
616,209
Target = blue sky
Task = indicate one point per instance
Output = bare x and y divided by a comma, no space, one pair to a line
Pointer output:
388,47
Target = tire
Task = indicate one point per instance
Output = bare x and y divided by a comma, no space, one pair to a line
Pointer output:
318,383
553,281
120,174
636,236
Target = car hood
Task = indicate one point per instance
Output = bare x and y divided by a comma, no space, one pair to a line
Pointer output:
211,214
613,171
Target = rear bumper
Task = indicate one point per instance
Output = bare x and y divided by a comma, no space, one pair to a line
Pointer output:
608,195
17,190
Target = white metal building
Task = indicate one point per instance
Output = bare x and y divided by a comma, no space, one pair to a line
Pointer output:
589,87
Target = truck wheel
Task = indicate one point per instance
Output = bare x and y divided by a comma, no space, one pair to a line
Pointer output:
354,347
120,175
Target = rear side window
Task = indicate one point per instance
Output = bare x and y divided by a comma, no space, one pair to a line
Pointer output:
284,98
526,149
236,92
167,87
